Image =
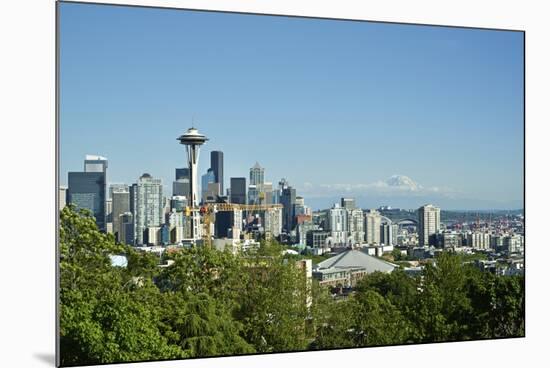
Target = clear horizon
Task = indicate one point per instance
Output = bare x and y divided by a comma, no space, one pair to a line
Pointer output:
351,104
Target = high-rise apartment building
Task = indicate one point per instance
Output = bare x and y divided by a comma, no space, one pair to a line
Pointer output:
428,223
373,220
273,221
479,240
148,205
303,229
338,225
300,206
386,233
356,225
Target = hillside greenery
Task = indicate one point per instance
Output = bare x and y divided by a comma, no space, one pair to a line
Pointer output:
212,303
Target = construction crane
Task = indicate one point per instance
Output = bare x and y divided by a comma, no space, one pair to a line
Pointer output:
208,213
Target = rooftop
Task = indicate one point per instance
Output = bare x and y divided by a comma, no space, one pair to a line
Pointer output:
95,158
354,258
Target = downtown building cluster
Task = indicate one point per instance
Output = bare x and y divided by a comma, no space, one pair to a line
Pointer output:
142,214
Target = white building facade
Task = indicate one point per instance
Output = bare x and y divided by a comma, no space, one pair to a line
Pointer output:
149,205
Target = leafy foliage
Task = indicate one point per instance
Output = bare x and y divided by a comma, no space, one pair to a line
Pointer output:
273,304
211,303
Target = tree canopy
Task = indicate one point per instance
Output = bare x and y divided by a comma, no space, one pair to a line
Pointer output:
211,303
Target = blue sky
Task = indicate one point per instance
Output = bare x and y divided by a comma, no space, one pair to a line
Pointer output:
336,107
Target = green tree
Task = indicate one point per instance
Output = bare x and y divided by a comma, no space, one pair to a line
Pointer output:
498,305
508,319
377,321
219,274
364,319
201,326
399,288
443,307
334,321
397,256
142,264
101,318
211,303
273,305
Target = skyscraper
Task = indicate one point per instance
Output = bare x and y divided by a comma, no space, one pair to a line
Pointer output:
356,225
300,207
338,225
428,223
386,233
206,180
266,196
149,205
182,185
273,221
373,220
87,189
253,194
216,164
255,188
126,226
279,191
120,196
109,215
178,203
117,187
288,200
256,174
94,163
228,224
182,173
238,190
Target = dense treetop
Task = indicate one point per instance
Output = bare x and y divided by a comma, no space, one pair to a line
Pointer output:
211,303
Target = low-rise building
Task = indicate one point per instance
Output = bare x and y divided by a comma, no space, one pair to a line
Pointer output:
346,268
317,238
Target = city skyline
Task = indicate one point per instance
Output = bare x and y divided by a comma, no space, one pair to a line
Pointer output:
468,107
398,188
238,184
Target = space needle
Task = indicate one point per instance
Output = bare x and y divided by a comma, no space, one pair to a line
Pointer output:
192,140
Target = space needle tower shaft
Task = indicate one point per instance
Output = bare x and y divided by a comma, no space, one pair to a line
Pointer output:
192,140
